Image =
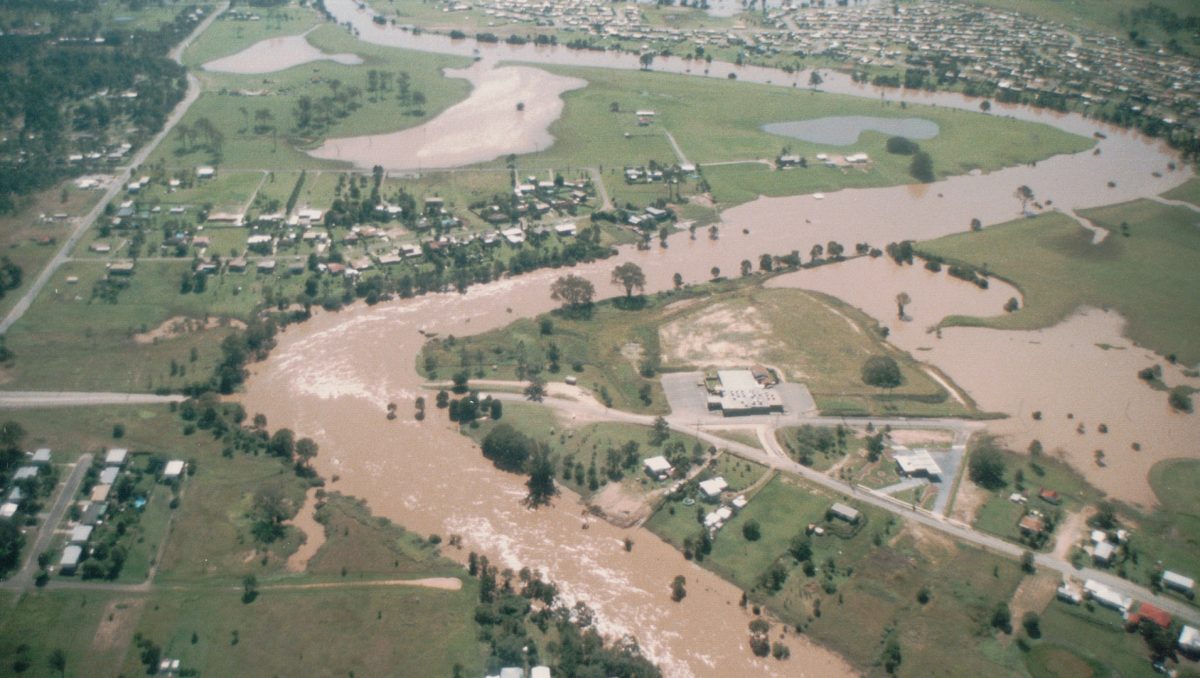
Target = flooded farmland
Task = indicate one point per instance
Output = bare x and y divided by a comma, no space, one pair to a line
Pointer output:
276,54
332,377
509,110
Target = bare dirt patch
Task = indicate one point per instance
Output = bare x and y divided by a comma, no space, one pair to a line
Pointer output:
181,325
724,336
933,544
1033,595
116,625
621,506
1070,531
910,437
970,498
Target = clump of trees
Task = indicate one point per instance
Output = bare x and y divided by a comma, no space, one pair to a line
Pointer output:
986,466
882,371
513,451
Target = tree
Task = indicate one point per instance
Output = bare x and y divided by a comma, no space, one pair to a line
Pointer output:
891,655
716,272
921,167
282,443
902,300
541,480
614,107
1012,305
882,371
678,588
646,59
507,447
1027,563
11,541
1032,624
816,251
902,146
249,589
1002,617
801,548
751,530
306,450
1180,399
58,661
630,276
1025,195
747,267
573,291
678,280
985,105
536,390
815,79
268,511
986,467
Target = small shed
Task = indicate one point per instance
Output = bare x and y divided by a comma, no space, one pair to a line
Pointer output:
539,672
1104,553
41,457
8,509
70,559
1031,524
658,467
25,472
173,469
846,513
1151,613
81,534
116,457
1189,640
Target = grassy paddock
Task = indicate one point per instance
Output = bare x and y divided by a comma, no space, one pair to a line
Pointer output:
797,331
1189,191
1148,277
698,112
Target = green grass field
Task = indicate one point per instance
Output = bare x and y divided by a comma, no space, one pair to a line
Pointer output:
1188,191
585,446
1148,277
708,129
1075,640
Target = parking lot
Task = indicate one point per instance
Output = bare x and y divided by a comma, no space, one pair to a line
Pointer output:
689,402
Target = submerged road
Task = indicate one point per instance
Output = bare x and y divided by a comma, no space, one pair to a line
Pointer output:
776,458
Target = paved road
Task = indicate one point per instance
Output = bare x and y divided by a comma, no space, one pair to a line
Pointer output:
118,183
14,400
775,457
24,578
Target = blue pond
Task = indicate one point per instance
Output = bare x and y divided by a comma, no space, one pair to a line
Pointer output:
845,129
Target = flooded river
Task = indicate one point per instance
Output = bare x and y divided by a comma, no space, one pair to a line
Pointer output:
332,377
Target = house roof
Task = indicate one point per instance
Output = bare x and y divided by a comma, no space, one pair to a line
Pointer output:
658,464
1155,614
713,486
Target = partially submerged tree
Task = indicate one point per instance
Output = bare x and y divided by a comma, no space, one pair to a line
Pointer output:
630,276
574,292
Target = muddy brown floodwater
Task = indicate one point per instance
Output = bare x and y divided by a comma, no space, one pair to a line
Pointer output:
276,54
1079,373
332,377
509,110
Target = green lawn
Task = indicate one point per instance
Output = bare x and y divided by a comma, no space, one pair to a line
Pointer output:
1172,533
229,35
1148,276
599,445
1188,191
1073,636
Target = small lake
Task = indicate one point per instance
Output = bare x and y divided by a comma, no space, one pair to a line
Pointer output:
844,130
